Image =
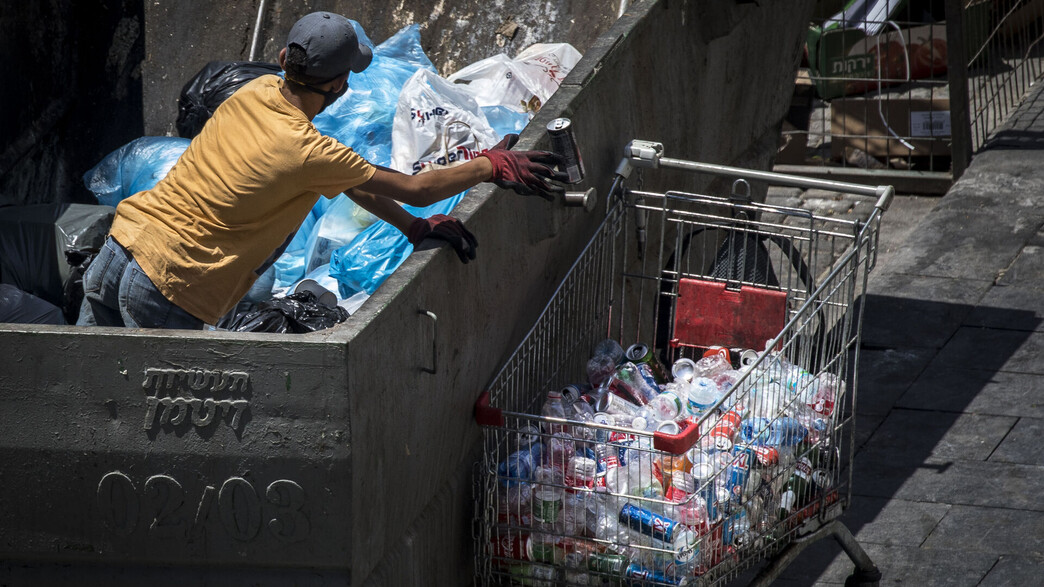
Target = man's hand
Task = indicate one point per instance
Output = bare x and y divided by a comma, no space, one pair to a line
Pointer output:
447,228
526,172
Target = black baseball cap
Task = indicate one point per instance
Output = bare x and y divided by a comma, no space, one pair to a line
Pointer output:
331,45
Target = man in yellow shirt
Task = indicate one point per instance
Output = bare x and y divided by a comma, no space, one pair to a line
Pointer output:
183,253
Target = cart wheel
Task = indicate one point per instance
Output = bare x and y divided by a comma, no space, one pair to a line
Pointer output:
864,578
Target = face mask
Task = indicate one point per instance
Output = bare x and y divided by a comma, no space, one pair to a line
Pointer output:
332,96
328,97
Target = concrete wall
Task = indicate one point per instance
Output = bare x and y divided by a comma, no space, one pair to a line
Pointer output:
383,450
453,34
71,93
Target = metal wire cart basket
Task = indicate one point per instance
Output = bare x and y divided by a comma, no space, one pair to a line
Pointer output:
683,409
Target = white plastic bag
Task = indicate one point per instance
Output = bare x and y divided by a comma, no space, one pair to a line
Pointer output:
547,64
524,83
437,125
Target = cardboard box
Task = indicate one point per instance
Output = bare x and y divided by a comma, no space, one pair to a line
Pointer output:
889,128
847,61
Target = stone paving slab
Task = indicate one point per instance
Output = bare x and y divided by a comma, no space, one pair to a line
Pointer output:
994,350
913,437
886,375
1023,445
987,484
979,244
994,530
893,522
1017,300
945,388
1010,308
906,311
899,565
1015,571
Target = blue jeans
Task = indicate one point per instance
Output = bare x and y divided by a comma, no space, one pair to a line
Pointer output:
116,292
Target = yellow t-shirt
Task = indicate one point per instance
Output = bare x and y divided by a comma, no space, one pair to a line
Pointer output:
205,232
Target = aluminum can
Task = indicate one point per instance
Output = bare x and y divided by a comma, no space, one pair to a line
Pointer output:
573,391
703,475
642,354
607,563
649,523
684,370
736,475
761,457
510,545
724,430
563,144
637,572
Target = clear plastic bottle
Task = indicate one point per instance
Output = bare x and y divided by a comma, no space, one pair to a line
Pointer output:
521,465
561,447
599,369
703,394
629,381
548,496
555,407
514,505
666,406
641,478
609,348
712,365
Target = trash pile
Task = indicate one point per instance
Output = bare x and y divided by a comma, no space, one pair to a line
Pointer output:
582,495
398,113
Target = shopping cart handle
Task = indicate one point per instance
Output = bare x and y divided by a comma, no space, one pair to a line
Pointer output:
679,443
486,415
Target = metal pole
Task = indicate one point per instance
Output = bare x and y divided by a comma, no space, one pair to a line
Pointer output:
257,30
957,73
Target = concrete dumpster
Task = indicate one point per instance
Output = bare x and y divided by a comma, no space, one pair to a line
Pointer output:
346,456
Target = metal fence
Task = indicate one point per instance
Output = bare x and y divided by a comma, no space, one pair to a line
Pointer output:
910,85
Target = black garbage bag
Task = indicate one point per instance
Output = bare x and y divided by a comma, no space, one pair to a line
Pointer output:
21,307
210,87
45,248
296,313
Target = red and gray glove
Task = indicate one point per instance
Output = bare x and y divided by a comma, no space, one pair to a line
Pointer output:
447,228
526,172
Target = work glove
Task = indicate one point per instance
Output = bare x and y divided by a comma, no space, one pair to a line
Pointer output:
526,172
446,228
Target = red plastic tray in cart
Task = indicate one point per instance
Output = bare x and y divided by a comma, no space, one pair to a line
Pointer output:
710,311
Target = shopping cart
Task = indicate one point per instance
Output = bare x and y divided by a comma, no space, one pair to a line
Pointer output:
664,478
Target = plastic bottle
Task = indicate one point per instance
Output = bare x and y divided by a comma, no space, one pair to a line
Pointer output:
615,474
560,449
826,392
556,407
548,496
609,348
712,365
629,383
514,505
641,480
599,369
520,465
666,406
783,431
535,574
703,393
690,508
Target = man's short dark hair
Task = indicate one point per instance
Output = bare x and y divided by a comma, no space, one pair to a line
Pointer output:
296,59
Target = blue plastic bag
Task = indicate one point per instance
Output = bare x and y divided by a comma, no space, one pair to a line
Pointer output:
376,252
134,167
